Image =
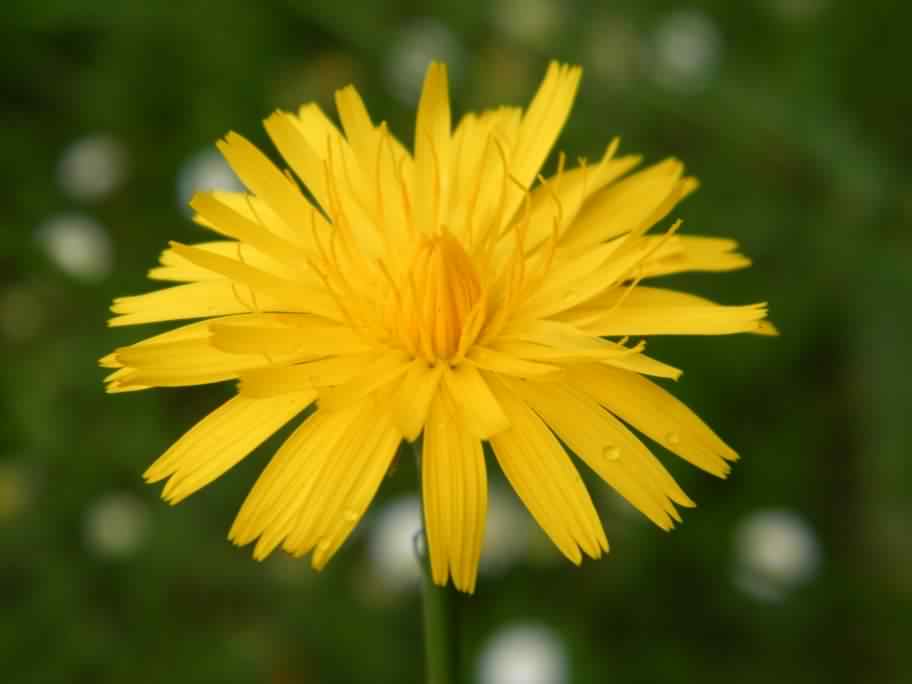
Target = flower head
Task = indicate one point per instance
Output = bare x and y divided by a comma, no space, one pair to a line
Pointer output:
452,294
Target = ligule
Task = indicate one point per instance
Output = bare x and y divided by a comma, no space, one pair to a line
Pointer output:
453,295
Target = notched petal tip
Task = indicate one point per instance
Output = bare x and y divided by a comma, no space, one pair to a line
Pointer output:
110,361
689,185
767,328
229,140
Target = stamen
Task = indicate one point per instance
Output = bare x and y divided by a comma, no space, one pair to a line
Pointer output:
435,205
501,203
253,299
473,202
584,166
555,197
355,189
406,203
628,289
237,296
561,165
340,219
379,189
652,250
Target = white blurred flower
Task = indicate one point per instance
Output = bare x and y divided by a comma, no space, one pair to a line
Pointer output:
417,44
508,532
391,543
92,167
21,313
533,22
78,245
685,50
15,491
775,551
524,654
114,525
205,171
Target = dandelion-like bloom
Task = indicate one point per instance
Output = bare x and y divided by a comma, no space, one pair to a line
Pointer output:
452,294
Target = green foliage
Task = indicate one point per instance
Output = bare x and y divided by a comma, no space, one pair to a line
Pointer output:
798,129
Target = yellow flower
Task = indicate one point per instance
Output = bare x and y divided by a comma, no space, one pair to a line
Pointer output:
452,294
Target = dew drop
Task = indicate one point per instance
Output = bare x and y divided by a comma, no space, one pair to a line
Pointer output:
673,437
350,515
611,452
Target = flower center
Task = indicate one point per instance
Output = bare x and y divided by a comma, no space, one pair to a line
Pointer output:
440,293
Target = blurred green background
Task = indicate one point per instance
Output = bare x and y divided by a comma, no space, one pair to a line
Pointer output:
797,569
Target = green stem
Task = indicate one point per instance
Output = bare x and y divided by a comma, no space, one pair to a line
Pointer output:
441,612
441,630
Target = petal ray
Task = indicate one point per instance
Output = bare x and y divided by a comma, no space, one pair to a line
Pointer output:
657,414
540,471
454,491
221,440
607,447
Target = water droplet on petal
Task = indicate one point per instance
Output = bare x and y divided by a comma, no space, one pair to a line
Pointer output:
611,452
350,515
673,437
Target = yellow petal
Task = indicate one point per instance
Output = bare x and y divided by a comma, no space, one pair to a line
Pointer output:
233,223
299,336
413,397
655,413
338,370
480,411
646,365
544,119
454,494
221,440
356,121
271,508
548,340
549,485
304,160
630,205
684,253
657,311
323,374
563,286
264,180
292,296
192,331
385,368
477,173
268,382
351,481
319,484
177,268
432,149
352,502
325,162
606,446
506,364
256,209
193,300
577,279
559,199
182,362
